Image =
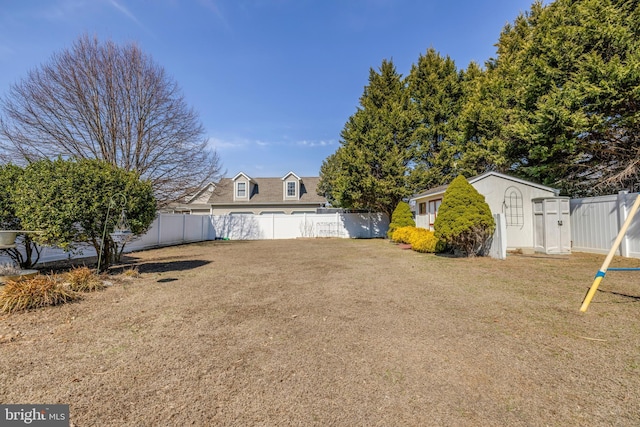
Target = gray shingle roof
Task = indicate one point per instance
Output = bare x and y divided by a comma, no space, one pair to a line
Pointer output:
268,191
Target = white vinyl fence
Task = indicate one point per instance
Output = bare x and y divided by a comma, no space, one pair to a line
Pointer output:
282,226
174,229
596,221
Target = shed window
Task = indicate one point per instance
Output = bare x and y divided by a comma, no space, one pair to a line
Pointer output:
513,207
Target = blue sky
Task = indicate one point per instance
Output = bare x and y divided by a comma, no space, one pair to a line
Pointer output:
274,81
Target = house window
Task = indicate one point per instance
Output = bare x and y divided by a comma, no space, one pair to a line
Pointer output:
291,189
422,208
241,190
434,205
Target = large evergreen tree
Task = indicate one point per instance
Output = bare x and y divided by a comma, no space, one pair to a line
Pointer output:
558,105
370,169
573,70
480,145
434,86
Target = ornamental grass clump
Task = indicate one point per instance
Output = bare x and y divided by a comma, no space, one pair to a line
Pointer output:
82,279
40,291
131,272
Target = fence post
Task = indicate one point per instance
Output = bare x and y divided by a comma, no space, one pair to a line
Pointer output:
498,247
623,213
159,229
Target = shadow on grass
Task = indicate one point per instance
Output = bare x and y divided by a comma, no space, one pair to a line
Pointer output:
161,267
632,298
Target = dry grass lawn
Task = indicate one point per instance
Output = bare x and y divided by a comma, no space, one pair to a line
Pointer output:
335,332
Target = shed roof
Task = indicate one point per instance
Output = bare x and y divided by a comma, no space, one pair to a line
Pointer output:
442,188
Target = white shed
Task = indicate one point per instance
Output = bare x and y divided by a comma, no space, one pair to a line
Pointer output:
504,194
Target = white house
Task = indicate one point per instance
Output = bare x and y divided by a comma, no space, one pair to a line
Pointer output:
243,194
513,197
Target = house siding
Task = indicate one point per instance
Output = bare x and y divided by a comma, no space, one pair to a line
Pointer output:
257,210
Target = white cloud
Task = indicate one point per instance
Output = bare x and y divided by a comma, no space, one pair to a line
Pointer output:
313,144
236,143
224,144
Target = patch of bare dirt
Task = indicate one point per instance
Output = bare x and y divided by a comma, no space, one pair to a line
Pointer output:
335,332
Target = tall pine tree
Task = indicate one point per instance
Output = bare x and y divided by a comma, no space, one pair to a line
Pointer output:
481,147
573,117
370,169
434,85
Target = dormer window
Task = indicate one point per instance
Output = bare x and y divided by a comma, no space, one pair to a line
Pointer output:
241,190
243,187
291,189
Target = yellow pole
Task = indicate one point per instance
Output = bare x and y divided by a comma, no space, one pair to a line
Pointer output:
600,274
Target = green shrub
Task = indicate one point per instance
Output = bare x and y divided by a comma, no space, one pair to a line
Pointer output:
82,279
464,219
37,292
401,217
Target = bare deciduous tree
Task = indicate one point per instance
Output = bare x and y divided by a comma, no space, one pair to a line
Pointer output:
111,102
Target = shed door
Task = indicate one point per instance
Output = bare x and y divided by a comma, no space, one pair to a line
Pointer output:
565,228
553,241
557,229
538,226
